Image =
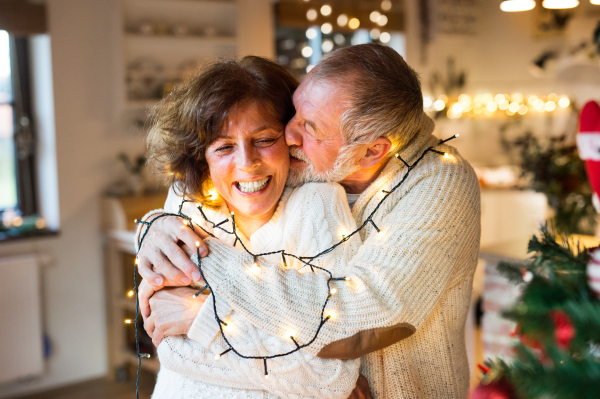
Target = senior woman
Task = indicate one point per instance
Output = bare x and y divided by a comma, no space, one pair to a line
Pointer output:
219,140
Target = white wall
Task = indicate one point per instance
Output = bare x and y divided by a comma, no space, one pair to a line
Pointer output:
497,60
86,147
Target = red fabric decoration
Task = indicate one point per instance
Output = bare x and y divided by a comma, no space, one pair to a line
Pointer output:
564,331
494,390
593,270
588,143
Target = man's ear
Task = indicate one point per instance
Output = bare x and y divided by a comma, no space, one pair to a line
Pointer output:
376,151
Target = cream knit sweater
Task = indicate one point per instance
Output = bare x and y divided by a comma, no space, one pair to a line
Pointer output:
418,273
306,221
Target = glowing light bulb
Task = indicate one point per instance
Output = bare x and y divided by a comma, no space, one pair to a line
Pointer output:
326,10
266,376
354,23
347,278
380,234
128,321
137,261
342,20
517,5
385,37
333,291
130,293
446,155
311,14
330,314
217,357
185,222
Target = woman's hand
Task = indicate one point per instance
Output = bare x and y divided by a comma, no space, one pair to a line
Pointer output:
164,255
173,310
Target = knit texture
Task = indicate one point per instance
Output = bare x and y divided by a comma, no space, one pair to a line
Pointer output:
306,221
419,272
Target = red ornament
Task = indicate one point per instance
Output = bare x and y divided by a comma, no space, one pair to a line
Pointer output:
494,390
588,145
564,331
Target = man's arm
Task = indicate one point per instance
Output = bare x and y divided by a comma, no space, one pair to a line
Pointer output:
430,241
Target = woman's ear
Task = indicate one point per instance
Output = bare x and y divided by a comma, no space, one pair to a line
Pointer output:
376,151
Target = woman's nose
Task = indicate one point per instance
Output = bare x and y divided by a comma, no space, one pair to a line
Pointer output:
293,136
248,159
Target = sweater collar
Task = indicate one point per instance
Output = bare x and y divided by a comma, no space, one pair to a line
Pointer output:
409,152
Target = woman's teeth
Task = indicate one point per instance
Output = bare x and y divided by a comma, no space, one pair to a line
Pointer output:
253,186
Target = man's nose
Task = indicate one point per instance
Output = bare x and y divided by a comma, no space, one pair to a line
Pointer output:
293,136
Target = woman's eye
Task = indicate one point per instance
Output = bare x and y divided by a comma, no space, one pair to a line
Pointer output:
224,148
265,142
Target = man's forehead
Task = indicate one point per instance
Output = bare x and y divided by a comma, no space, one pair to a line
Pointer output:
316,94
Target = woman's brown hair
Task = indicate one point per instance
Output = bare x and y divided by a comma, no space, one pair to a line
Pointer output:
191,117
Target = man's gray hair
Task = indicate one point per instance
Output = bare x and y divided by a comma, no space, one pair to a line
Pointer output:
386,98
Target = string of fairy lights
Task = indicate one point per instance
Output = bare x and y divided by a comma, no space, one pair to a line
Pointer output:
255,267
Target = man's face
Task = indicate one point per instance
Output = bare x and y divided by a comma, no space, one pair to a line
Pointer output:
314,135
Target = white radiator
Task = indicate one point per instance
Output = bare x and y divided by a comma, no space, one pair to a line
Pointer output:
21,340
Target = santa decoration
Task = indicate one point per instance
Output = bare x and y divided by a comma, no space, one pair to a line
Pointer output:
588,144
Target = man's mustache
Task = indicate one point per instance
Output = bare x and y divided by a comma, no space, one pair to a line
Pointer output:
297,153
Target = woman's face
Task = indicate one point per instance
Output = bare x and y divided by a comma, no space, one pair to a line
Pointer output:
249,161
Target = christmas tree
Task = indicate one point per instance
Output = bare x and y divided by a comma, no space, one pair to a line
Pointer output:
558,325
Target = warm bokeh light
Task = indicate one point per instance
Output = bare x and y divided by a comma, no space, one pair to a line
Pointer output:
385,37
327,46
326,28
375,33
374,16
342,20
523,109
354,23
538,104
550,106
513,107
427,102
326,10
311,33
564,101
492,106
386,5
439,105
311,14
382,20
307,51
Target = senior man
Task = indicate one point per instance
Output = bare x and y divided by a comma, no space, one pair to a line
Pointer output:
354,111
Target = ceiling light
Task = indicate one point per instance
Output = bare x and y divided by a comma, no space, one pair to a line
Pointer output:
517,5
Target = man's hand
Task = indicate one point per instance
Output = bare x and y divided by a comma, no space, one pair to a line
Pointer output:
362,390
173,312
163,261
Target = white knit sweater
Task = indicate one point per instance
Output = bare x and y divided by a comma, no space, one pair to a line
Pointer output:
306,221
419,272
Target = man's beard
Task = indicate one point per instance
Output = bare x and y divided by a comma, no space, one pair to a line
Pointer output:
343,166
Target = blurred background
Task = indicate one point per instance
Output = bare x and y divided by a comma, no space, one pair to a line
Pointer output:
77,78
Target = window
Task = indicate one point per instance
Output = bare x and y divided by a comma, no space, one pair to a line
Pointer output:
18,204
